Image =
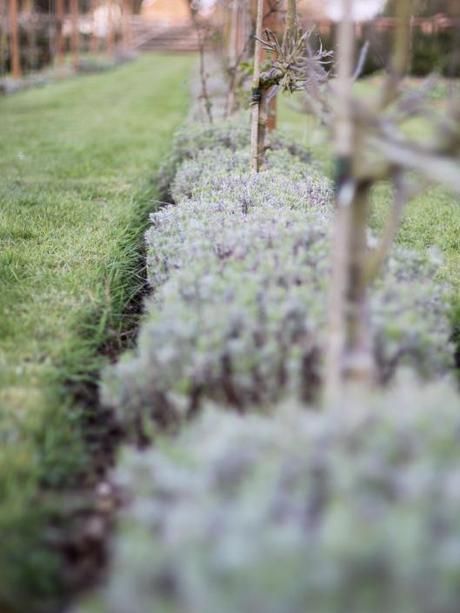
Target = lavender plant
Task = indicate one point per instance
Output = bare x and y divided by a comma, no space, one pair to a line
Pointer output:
354,509
239,270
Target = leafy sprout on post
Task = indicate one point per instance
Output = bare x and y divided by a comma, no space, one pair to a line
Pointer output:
293,66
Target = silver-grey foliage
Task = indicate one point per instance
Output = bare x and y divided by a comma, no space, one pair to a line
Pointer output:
239,270
354,510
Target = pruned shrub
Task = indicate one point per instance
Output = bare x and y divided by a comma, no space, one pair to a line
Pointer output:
194,138
350,510
231,135
239,270
234,311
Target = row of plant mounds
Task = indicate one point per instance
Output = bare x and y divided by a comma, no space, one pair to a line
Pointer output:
239,268
275,507
354,510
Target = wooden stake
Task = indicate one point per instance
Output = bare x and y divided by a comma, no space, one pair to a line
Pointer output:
59,31
233,38
244,28
94,42
257,120
30,46
3,36
110,33
75,39
127,33
291,16
14,40
272,22
236,47
345,194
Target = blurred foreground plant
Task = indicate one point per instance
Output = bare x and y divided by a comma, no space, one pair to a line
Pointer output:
354,508
371,146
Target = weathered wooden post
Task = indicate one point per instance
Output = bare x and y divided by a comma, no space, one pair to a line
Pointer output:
347,203
126,30
258,116
233,36
350,357
272,22
15,52
94,41
75,37
110,32
60,31
237,46
264,105
2,36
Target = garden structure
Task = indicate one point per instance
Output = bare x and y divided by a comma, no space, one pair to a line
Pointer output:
230,307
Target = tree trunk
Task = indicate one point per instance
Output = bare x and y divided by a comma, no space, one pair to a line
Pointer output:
14,40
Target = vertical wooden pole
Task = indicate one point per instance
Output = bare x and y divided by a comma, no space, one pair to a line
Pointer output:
126,33
225,23
60,31
233,52
345,194
233,38
94,43
257,120
31,34
110,32
14,40
2,36
75,39
272,22
240,30
291,16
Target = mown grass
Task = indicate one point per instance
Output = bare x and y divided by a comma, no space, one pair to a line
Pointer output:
74,162
431,221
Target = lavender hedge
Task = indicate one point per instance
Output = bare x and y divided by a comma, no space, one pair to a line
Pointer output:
239,269
356,510
284,509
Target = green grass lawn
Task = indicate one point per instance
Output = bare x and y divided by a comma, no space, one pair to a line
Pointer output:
432,220
75,159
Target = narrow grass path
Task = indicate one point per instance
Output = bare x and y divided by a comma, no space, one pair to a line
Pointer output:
74,161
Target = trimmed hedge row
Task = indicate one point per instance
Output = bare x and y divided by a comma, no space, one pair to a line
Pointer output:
356,510
283,510
240,269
